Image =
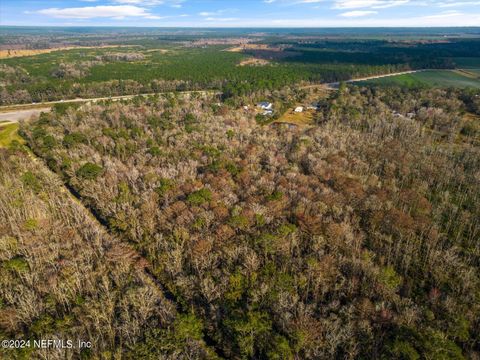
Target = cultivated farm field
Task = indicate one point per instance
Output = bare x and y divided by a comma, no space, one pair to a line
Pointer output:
431,78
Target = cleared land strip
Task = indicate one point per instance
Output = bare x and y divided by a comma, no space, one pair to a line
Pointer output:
17,115
104,98
335,85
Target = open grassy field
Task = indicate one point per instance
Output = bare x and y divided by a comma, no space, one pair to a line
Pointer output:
304,118
8,133
440,78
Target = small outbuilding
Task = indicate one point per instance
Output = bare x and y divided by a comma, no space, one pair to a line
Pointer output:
299,109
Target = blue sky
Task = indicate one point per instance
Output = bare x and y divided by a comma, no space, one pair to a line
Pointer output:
241,13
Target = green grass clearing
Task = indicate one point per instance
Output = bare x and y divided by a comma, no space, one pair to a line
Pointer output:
8,134
304,118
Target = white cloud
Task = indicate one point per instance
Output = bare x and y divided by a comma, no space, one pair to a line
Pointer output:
216,13
105,11
220,19
172,3
140,2
374,4
445,14
472,19
436,20
292,2
459,3
358,13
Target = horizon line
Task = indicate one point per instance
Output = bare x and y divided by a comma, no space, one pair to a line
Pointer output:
248,27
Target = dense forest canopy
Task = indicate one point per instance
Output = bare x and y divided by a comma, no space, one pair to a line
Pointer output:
200,61
247,201
64,277
354,238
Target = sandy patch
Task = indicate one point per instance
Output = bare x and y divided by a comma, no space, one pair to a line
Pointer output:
162,51
12,53
245,47
254,62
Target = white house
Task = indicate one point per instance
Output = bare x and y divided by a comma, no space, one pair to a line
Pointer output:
265,105
299,109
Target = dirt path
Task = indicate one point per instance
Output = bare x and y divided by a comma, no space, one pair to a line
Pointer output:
17,115
8,108
335,85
